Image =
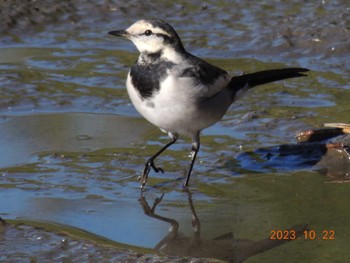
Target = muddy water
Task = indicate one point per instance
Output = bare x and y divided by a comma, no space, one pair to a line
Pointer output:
73,145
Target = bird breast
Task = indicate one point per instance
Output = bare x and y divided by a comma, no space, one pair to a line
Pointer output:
179,106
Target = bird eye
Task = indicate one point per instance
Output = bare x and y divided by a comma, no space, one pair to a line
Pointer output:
148,32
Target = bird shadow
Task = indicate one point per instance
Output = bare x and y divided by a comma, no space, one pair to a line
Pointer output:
321,152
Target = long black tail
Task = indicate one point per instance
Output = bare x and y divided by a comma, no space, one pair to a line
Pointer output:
262,77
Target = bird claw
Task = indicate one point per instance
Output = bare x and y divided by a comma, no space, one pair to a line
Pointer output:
156,169
144,175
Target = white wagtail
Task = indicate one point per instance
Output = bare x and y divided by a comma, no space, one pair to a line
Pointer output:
179,92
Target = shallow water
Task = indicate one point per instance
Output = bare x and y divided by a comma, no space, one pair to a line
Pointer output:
73,145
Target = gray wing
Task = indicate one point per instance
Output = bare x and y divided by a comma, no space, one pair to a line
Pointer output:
206,78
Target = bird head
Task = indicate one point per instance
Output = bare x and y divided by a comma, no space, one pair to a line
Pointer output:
152,36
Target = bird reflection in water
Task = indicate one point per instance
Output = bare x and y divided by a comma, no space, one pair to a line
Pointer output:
224,247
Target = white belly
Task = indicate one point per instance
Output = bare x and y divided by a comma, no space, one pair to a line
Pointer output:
175,109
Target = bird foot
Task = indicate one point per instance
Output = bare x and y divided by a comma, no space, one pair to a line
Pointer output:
144,175
185,185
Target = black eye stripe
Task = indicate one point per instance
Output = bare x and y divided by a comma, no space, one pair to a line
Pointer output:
165,37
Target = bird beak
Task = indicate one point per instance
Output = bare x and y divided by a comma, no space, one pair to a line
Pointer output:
119,33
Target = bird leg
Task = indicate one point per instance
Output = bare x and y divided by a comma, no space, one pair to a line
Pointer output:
150,163
195,149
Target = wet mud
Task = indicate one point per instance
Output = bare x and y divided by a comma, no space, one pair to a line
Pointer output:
73,145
